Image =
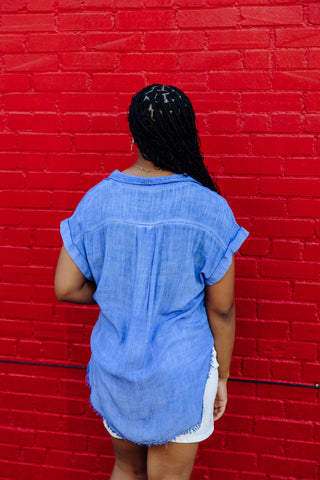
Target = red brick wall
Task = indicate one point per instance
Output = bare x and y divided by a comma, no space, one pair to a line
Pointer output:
252,70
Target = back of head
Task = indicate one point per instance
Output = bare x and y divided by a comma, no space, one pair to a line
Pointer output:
163,125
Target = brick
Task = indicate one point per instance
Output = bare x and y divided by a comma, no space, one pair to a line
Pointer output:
311,251
313,102
282,228
8,347
290,58
297,37
21,160
286,122
302,166
207,18
75,122
27,311
7,141
314,58
271,289
306,291
66,200
54,42
114,82
283,144
11,43
18,121
16,328
12,179
289,269
85,21
46,218
286,249
256,247
256,368
114,41
46,122
271,102
242,461
24,22
299,207
25,199
47,237
59,81
61,440
74,162
258,329
195,82
80,353
19,236
12,6
40,5
258,207
289,350
211,61
255,165
214,101
44,142
225,143
28,274
275,15
30,101
97,3
164,41
288,466
286,311
222,122
296,80
312,123
9,216
14,291
287,186
53,180
304,450
10,255
253,38
144,19
101,142
305,331
314,14
88,61
87,102
14,81
104,123
287,371
148,61
239,80
30,349
257,59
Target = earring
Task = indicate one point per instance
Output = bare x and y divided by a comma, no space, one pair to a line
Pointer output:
132,145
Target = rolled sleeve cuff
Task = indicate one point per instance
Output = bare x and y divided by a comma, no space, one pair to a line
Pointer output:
225,262
73,250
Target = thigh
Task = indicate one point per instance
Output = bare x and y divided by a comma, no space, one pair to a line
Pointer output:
129,457
173,461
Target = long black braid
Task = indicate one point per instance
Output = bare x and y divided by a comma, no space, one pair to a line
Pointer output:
163,125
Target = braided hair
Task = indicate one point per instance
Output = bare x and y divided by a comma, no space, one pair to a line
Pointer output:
163,125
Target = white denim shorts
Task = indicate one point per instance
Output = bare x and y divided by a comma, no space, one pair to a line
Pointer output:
207,424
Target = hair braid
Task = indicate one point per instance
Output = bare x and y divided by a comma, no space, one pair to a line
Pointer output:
163,125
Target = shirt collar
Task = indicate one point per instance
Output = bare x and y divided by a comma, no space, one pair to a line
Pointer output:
133,179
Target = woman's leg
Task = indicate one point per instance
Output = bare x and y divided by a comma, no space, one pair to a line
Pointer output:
130,460
172,462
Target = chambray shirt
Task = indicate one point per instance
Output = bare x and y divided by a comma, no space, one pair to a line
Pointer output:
151,245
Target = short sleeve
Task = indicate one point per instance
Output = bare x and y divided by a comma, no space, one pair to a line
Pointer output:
225,239
72,233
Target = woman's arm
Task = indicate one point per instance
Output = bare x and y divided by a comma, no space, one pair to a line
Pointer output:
70,285
220,308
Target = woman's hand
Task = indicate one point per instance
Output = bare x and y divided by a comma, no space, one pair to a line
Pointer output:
220,402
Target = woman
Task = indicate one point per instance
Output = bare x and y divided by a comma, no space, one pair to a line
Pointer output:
153,246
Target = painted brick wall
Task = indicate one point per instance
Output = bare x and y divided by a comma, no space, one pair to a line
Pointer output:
252,70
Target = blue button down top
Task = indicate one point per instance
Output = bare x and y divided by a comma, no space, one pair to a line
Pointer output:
151,245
